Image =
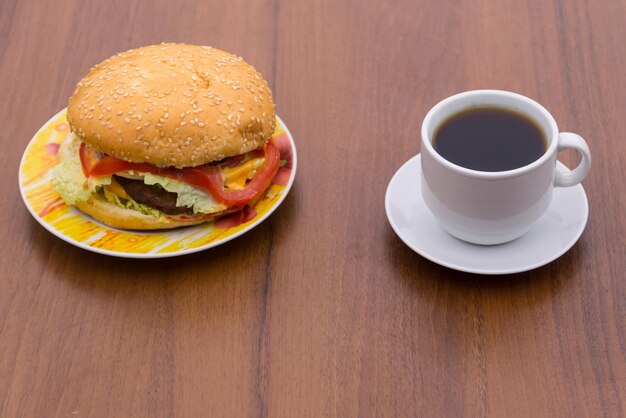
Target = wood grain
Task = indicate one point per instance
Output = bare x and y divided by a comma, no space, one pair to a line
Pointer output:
321,310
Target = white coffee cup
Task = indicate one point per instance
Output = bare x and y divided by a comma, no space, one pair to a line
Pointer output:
490,208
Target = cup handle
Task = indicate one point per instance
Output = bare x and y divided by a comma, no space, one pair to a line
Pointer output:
568,140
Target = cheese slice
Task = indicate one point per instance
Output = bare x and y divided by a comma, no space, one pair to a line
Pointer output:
117,189
235,177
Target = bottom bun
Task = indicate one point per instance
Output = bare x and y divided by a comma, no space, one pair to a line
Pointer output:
122,218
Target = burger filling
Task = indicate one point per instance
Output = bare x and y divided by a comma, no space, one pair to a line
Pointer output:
160,191
152,195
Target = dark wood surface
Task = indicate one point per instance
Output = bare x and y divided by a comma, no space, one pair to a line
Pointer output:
322,310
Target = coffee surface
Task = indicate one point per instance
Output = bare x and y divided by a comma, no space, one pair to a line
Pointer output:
489,139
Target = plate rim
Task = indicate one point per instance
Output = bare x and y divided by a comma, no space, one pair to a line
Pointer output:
490,272
149,255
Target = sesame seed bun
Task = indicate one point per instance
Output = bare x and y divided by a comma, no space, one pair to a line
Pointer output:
173,105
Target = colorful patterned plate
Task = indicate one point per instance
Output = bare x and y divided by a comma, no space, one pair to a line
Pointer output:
73,226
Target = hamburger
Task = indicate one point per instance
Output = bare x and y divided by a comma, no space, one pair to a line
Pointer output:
166,136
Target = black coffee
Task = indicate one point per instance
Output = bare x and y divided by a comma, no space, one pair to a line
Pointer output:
489,139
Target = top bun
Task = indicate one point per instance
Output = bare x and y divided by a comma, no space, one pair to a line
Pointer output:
173,105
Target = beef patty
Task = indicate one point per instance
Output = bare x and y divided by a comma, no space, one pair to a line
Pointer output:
153,196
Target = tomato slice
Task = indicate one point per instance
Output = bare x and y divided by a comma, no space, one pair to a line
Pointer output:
110,165
210,178
88,158
205,177
96,165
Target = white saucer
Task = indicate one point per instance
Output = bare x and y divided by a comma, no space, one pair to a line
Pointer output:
553,234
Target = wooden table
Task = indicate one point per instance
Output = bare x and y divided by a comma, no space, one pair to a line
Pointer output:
322,310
